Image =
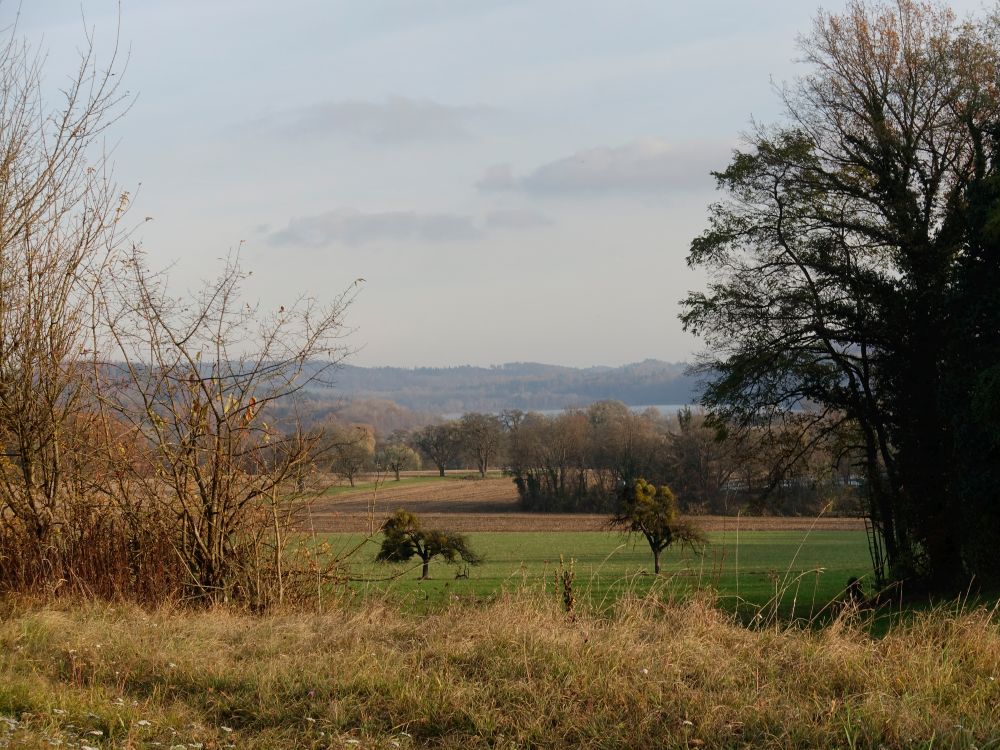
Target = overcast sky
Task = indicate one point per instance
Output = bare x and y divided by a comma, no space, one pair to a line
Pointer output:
514,180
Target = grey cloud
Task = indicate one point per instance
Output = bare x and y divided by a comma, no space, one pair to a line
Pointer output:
348,226
516,218
648,164
397,120
498,177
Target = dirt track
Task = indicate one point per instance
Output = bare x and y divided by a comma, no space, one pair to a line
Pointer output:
550,522
491,505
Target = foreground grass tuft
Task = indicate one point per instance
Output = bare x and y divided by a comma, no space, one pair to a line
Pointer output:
515,673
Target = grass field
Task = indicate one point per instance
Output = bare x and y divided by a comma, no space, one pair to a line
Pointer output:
494,660
514,673
803,571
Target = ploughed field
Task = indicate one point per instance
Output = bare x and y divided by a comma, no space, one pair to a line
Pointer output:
463,502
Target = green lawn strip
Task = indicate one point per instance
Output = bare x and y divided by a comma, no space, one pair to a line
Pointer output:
801,571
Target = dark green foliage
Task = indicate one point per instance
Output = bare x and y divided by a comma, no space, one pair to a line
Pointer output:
854,275
405,538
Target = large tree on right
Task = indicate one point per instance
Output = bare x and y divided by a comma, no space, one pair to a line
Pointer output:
854,275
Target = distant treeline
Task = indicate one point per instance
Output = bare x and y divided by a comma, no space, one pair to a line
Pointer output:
579,460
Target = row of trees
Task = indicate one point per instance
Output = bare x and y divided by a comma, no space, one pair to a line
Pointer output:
581,459
474,441
353,451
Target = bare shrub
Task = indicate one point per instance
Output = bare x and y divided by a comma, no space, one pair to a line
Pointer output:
195,384
60,217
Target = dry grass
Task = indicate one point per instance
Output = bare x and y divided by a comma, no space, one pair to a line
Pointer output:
97,552
516,673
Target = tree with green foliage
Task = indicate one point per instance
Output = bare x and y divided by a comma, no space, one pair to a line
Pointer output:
854,268
406,538
397,457
652,511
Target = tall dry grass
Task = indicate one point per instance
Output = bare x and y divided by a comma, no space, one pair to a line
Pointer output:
516,673
96,551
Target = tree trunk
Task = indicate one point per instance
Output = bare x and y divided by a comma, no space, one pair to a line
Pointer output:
924,435
656,562
424,572
441,469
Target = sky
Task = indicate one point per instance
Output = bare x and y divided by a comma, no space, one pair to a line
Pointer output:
514,181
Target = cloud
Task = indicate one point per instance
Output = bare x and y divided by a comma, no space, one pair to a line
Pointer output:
347,226
498,177
350,227
647,164
394,120
516,218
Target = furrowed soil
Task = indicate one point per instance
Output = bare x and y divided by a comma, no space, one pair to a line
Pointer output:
465,504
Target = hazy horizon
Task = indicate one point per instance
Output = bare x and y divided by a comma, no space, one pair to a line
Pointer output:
498,365
514,181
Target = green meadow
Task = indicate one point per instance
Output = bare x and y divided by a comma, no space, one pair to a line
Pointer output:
800,571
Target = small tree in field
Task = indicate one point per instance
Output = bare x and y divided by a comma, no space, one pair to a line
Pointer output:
405,538
481,434
442,444
652,512
397,457
352,450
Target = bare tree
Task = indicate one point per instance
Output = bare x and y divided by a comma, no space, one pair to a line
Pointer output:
199,377
60,217
441,443
701,462
352,450
482,434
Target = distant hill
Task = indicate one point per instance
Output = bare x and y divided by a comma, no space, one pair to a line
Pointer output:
517,385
